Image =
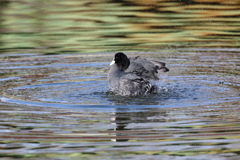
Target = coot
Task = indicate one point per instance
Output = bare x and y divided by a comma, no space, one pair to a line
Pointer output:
132,76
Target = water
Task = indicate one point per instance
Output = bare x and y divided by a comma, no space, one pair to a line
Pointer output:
57,27
55,102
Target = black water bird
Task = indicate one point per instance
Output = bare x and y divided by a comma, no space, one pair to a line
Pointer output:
132,76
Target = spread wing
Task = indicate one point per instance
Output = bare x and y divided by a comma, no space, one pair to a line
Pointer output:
145,68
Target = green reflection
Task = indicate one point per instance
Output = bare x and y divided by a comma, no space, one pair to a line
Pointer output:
54,27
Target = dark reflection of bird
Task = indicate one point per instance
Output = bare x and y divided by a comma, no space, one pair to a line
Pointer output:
124,116
131,76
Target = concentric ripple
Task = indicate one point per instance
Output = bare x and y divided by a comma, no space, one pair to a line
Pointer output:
69,81
60,106
86,84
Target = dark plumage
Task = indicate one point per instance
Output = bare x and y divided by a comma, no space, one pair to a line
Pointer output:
131,76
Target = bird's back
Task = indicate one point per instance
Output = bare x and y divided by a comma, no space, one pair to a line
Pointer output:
145,68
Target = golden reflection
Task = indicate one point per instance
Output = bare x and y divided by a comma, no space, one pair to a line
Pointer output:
103,26
231,2
156,2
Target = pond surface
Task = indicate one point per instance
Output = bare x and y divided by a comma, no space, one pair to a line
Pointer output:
55,101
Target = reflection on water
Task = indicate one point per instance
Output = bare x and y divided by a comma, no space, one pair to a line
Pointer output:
211,131
59,107
101,26
123,117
